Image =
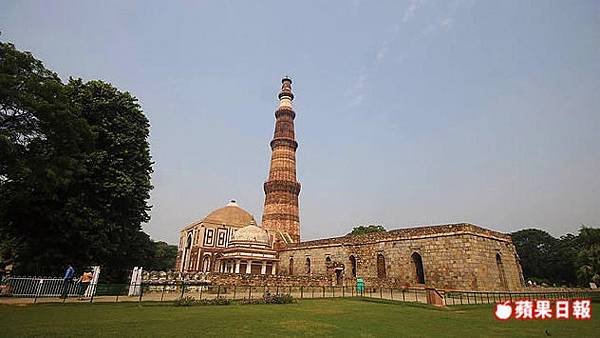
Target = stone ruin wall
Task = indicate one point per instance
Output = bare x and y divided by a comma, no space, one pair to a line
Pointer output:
460,257
231,279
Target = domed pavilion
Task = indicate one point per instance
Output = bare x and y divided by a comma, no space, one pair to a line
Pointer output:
202,242
249,252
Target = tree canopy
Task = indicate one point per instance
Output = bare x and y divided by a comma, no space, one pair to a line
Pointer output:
75,171
567,260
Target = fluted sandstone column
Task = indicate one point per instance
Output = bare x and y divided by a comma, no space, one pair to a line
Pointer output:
281,215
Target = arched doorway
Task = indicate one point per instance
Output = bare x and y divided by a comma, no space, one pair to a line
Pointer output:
501,272
353,266
308,265
418,262
186,253
291,267
206,263
381,266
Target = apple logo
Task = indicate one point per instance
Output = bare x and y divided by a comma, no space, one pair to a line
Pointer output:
503,310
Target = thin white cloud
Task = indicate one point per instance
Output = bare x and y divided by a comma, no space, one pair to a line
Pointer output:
381,52
356,92
409,12
446,23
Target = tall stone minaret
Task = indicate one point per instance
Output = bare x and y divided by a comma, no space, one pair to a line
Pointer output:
281,213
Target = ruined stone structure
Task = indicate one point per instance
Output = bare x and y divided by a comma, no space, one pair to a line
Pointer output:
281,213
454,256
227,244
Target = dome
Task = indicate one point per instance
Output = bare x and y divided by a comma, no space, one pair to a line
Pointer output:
231,214
251,234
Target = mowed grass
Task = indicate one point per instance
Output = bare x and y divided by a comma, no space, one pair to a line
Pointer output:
326,317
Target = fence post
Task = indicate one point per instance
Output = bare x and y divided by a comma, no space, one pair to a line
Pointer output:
333,291
391,294
416,296
301,292
234,291
93,292
182,289
141,292
163,292
323,291
403,299
39,289
218,291
250,292
381,293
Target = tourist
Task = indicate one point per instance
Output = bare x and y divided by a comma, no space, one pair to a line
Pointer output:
67,280
84,282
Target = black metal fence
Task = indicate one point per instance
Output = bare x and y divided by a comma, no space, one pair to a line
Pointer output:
53,290
485,297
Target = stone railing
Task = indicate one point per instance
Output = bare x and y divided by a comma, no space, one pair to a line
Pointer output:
217,278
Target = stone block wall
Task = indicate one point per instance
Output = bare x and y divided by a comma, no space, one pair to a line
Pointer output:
458,256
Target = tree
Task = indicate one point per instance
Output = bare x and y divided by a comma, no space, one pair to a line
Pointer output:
163,258
42,143
115,184
543,257
588,257
74,171
359,230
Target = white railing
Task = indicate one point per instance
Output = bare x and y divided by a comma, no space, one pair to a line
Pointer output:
45,287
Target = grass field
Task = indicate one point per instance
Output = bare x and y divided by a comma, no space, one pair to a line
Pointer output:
325,317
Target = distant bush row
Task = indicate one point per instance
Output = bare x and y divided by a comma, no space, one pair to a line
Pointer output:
266,299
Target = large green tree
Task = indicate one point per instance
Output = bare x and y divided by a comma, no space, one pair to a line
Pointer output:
588,256
543,257
74,171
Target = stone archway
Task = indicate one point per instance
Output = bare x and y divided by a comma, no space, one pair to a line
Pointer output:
186,253
353,266
381,273
418,263
206,263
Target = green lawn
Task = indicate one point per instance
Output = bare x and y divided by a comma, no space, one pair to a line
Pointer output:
326,317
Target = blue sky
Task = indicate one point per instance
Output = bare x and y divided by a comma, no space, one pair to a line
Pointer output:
408,112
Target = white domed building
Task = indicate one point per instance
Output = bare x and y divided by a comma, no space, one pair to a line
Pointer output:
226,240
249,251
201,242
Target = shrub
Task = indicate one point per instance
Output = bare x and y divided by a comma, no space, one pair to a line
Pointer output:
215,301
270,299
185,301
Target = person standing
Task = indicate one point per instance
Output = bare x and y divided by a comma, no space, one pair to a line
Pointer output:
67,280
84,282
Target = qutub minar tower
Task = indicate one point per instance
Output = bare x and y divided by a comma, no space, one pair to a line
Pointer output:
280,215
